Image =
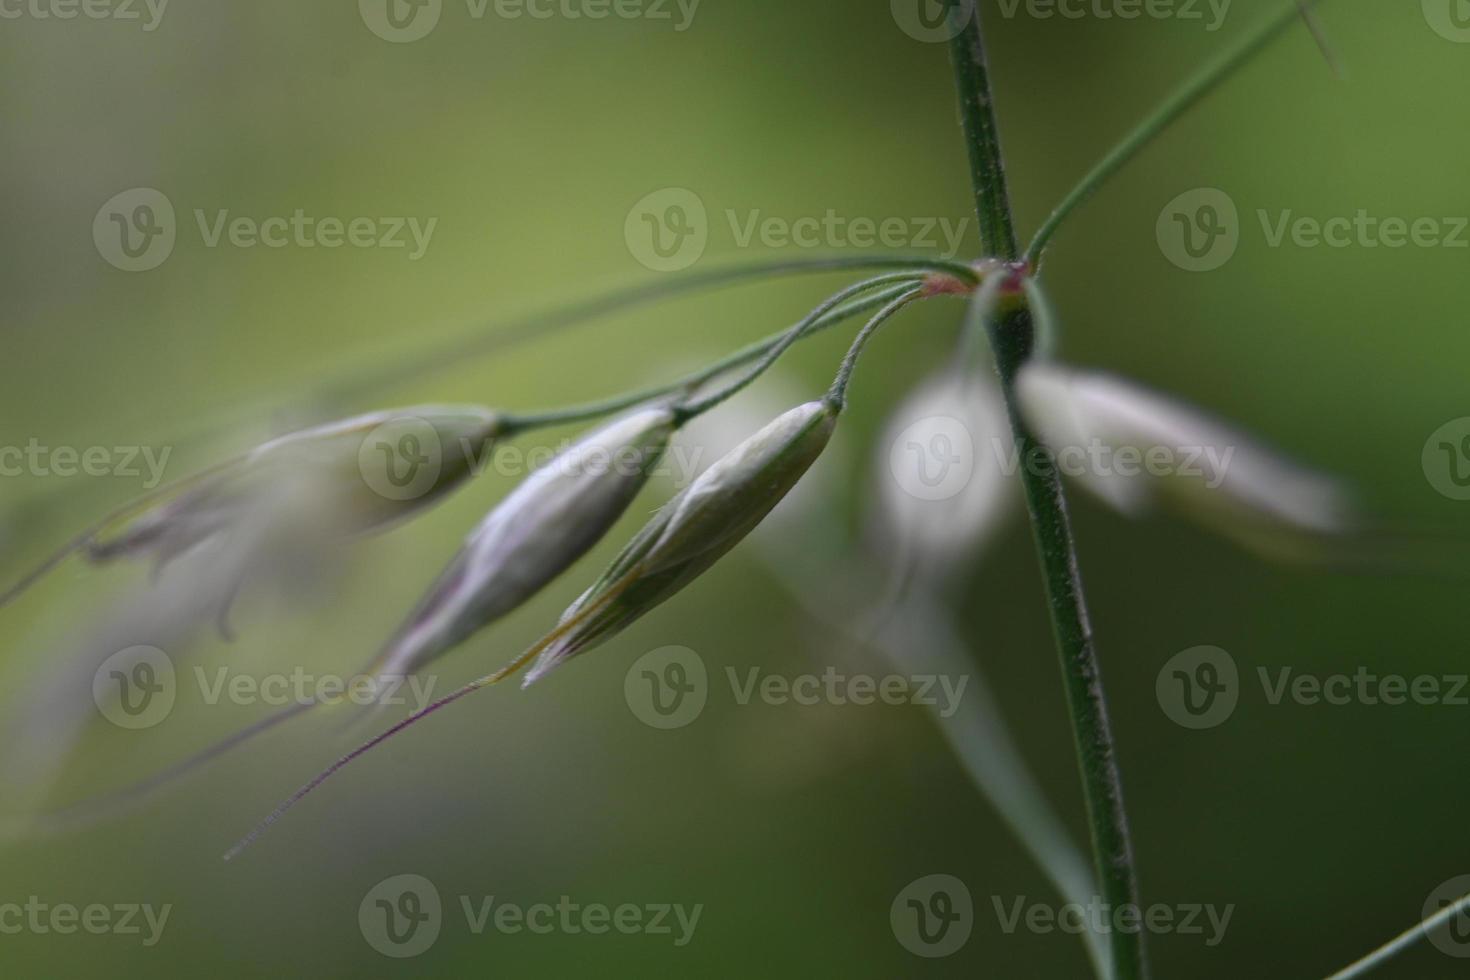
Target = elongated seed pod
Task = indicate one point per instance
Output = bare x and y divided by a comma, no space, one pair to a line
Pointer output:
691,533
548,522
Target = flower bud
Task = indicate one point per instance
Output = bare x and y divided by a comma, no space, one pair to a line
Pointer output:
1135,449
704,440
352,477
548,522
692,532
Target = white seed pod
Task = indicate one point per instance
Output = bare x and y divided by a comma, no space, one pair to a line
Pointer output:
692,532
1136,449
710,437
374,469
549,521
944,472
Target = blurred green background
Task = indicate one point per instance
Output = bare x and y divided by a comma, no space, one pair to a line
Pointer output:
529,140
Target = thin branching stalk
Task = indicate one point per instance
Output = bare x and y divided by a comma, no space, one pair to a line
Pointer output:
1012,339
380,372
691,382
837,394
693,409
1206,80
485,339
770,349
1403,941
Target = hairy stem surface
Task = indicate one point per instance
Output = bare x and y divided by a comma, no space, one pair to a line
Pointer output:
1012,337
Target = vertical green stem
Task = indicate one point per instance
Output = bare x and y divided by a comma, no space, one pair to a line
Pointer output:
977,115
1012,337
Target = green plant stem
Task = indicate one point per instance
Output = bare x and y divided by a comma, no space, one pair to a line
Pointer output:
1206,80
1403,941
982,137
689,382
837,394
486,339
1012,339
693,409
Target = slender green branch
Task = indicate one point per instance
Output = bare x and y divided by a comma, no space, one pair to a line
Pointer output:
1394,947
837,394
1206,80
691,409
482,340
696,380
380,371
592,410
982,137
1012,339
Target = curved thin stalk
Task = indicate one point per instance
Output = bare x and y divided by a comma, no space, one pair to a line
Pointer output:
1012,339
693,409
1403,941
482,340
695,380
512,423
487,338
837,394
1206,80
